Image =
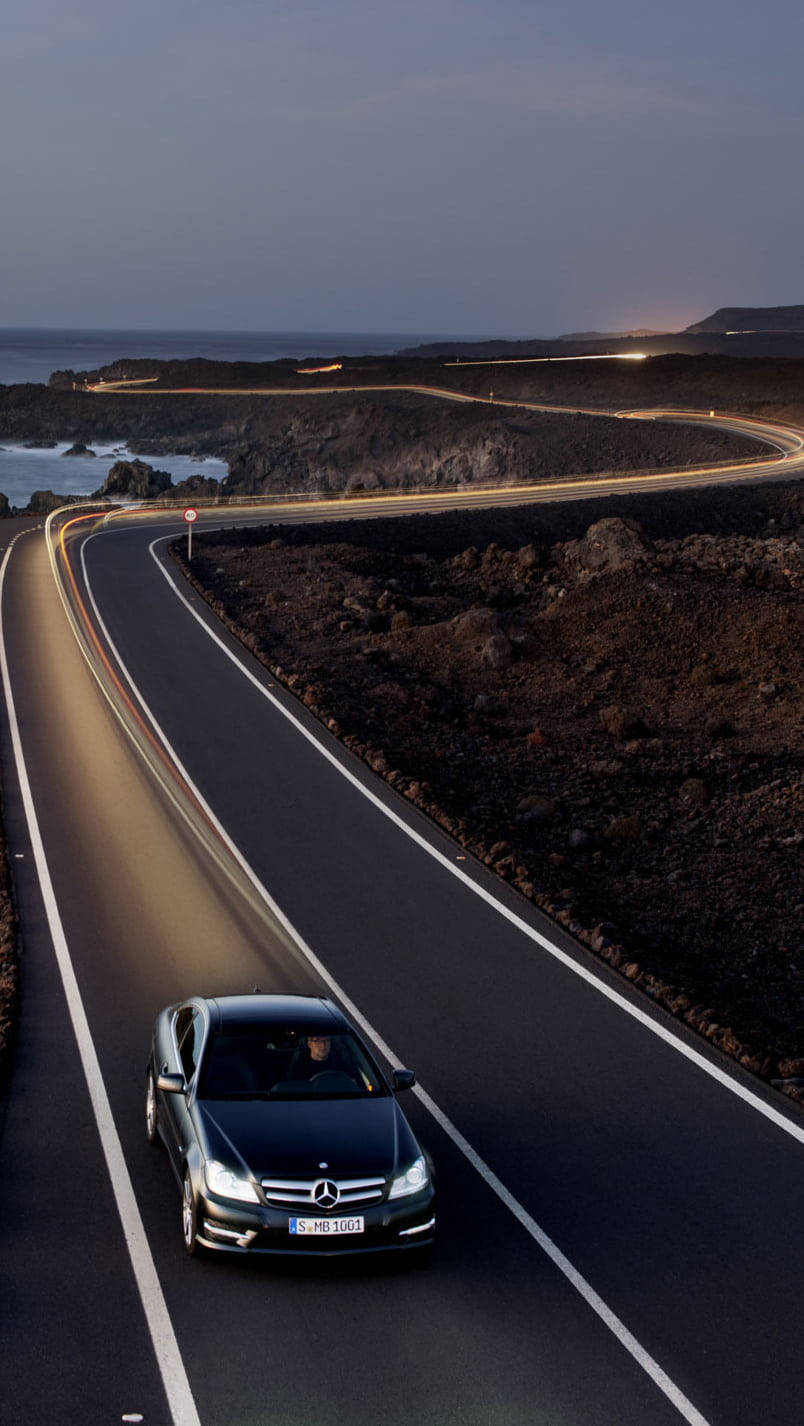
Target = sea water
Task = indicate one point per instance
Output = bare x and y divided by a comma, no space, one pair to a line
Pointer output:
32,354
23,471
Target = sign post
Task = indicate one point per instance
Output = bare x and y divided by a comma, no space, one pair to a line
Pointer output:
190,516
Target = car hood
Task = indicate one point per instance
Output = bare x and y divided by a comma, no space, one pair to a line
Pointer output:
354,1138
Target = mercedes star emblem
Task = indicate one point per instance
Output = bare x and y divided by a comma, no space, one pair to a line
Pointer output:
325,1193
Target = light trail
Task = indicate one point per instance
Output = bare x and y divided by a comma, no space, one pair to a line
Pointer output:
530,361
787,439
788,442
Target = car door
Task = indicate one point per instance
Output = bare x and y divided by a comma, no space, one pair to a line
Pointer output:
187,1035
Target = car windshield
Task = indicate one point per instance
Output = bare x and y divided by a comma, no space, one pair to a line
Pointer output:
287,1063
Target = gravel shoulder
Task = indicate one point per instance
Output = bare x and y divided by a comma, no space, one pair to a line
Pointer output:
9,959
612,697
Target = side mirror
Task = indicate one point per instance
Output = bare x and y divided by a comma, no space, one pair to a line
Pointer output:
403,1079
171,1083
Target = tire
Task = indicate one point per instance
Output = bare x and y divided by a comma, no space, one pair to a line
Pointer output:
189,1217
151,1111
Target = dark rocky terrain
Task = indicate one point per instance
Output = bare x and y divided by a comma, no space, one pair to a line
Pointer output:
409,442
337,440
612,697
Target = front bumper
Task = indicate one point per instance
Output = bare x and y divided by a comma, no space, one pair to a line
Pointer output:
230,1227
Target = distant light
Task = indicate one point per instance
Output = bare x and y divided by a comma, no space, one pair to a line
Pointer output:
308,370
532,361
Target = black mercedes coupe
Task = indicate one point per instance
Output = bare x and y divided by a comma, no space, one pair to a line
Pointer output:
283,1133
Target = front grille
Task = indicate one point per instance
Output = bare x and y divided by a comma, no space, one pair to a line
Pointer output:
298,1193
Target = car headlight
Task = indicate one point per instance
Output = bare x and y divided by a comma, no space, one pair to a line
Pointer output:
414,1179
228,1184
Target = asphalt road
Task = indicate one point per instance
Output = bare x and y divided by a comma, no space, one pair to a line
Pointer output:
678,1202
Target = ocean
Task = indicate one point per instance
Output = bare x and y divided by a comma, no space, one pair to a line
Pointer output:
22,470
29,354
32,353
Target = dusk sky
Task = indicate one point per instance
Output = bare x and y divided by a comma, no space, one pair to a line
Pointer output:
520,168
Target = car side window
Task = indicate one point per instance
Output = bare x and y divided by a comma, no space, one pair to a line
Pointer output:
189,1034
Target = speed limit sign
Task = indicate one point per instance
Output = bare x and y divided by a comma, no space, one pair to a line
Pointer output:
190,515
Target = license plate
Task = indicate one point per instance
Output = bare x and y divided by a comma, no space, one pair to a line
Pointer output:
325,1227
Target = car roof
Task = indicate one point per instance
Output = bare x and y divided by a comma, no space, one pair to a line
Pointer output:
302,1012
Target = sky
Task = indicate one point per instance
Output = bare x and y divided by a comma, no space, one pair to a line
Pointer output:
516,168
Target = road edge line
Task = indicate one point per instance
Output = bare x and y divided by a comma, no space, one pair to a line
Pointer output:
607,1316
160,1328
689,1052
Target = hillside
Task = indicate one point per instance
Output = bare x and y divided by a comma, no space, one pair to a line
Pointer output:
609,336
751,319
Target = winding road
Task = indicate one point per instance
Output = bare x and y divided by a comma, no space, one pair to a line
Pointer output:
621,1207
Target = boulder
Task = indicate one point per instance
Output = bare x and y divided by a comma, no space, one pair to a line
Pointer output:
356,606
488,703
475,625
79,449
622,722
365,480
496,652
134,480
196,487
702,676
535,808
694,792
43,501
608,545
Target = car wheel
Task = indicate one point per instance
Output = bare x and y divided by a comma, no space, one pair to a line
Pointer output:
151,1113
189,1216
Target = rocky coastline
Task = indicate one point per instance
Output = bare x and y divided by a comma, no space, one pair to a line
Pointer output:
331,441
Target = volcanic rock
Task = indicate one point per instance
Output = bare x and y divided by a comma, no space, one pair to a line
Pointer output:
135,480
496,651
609,544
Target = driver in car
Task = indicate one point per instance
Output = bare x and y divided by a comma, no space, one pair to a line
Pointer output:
315,1056
320,1049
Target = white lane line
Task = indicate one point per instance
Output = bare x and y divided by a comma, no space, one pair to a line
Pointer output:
626,1339
796,1131
174,1378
